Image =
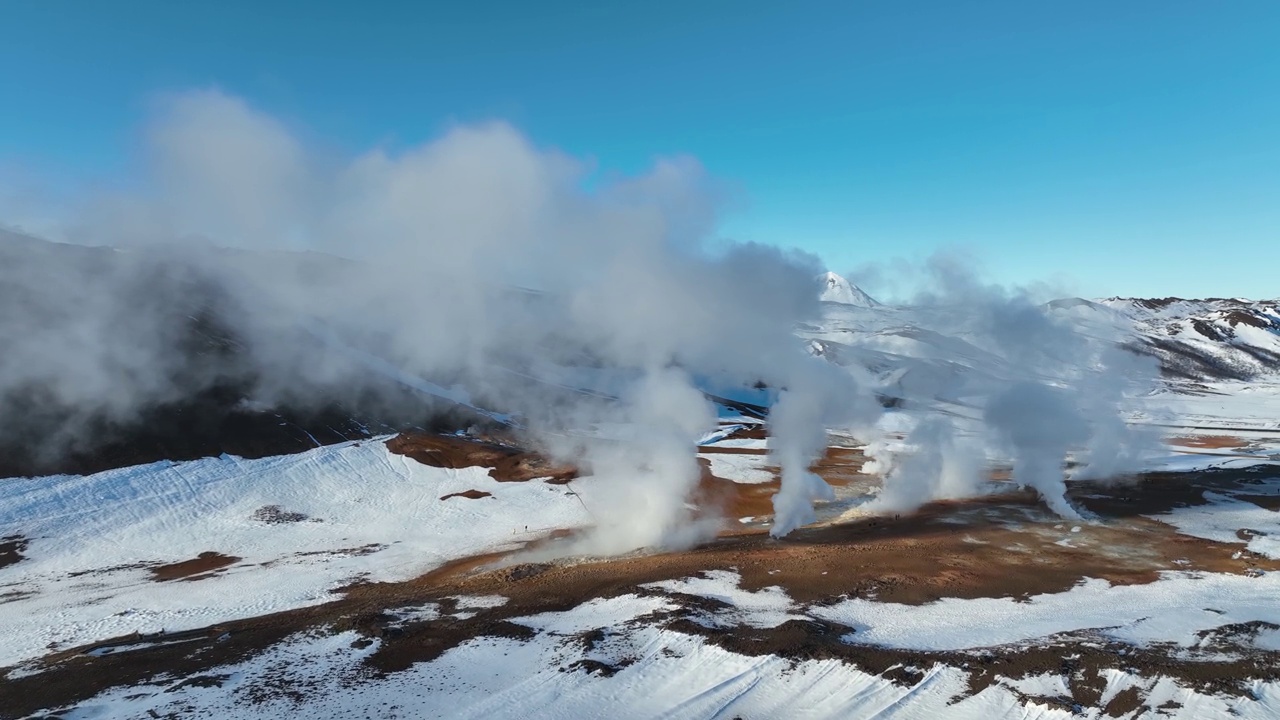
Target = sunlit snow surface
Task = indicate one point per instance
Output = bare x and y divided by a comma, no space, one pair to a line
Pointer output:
670,675
369,514
660,673
1230,520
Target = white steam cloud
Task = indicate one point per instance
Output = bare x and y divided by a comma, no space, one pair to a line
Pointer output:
478,260
441,243
1042,391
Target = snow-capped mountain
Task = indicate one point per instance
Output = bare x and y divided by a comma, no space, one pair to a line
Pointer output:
837,289
1215,338
1194,340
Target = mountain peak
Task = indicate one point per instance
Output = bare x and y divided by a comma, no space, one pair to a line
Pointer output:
839,290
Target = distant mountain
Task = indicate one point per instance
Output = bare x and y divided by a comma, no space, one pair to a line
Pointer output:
836,289
1214,338
945,352
1195,340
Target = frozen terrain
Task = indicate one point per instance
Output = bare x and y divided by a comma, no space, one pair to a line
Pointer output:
350,579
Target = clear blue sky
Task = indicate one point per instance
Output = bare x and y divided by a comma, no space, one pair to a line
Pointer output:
1126,147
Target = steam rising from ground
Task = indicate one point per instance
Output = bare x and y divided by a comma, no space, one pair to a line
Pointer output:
477,261
1043,391
473,261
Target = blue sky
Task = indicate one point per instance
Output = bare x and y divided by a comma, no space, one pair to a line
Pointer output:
1111,147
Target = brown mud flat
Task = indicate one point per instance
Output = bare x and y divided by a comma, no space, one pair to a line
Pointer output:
718,497
1208,442
1159,493
11,549
840,465
996,546
468,494
200,567
506,463
1266,502
717,450
750,432
722,496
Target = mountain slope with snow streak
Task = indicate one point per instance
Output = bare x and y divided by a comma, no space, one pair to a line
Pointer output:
937,350
1215,339
617,652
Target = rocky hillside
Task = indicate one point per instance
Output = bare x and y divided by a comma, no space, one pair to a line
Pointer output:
1211,339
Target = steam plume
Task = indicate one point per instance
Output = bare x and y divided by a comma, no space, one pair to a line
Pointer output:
473,262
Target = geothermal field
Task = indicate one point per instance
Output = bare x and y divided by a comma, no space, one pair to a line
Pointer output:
1098,552
486,443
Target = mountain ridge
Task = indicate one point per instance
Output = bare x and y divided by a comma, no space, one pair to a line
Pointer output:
837,289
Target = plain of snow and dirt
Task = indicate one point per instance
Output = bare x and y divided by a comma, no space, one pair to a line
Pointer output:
432,573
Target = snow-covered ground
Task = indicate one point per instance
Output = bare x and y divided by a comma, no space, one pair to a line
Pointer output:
654,672
670,675
1234,407
353,512
741,468
1228,519
369,515
1172,609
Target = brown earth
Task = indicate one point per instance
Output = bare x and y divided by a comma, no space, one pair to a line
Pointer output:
506,463
997,546
718,497
1208,442
1268,502
11,549
751,432
198,568
722,496
469,494
714,450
